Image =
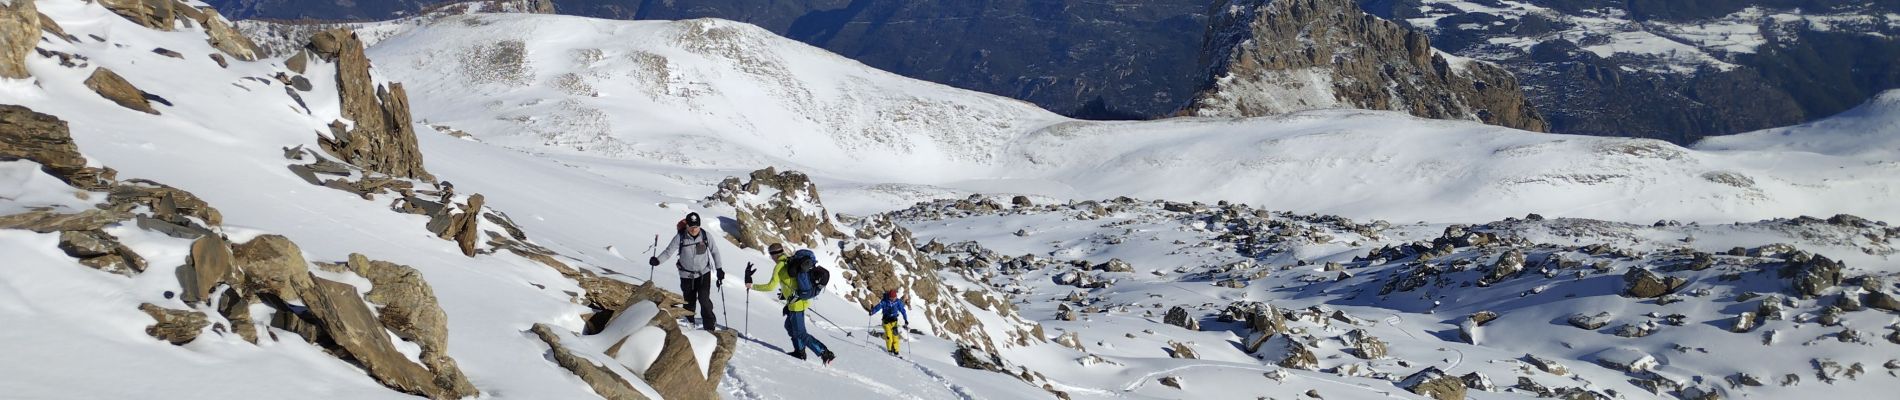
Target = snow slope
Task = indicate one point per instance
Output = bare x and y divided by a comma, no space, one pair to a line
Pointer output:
709,94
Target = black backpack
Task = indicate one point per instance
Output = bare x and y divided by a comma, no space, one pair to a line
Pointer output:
803,268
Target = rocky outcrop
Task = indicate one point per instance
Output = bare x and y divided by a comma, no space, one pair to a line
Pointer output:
19,34
603,380
791,214
407,306
45,139
348,321
156,14
382,137
1813,275
46,221
210,264
464,228
113,87
676,374
225,37
1266,57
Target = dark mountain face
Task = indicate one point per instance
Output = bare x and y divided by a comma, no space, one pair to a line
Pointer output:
327,10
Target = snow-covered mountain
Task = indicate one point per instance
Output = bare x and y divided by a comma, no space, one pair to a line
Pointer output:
456,205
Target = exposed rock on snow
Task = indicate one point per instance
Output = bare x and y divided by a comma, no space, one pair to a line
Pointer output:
175,326
383,137
789,213
44,139
113,87
45,221
275,265
603,380
1641,283
677,373
1279,56
19,33
1589,321
1433,383
407,306
1179,316
210,264
973,358
348,321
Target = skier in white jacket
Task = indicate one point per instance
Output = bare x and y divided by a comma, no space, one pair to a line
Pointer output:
698,263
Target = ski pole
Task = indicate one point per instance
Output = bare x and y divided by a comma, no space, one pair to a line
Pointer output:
650,254
722,306
748,310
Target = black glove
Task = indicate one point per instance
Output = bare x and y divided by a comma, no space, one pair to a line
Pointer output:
785,310
748,273
721,280
653,261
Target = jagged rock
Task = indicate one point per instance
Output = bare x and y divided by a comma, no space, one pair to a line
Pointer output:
168,53
273,264
210,264
1021,202
1178,316
1298,356
19,34
1641,283
1477,381
297,63
603,380
156,14
1171,381
1814,276
45,221
224,37
45,139
1182,350
464,228
1849,302
793,215
383,138
175,326
166,203
1270,57
1590,322
972,358
1508,265
1365,345
84,244
348,321
676,374
409,307
113,87
1434,383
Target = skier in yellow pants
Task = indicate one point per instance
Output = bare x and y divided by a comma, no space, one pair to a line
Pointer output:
893,308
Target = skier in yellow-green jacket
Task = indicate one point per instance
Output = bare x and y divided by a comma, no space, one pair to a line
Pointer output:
786,283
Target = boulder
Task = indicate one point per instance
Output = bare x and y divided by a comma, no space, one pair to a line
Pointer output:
273,264
87,244
1072,340
1590,322
1298,356
210,264
175,326
1641,283
19,34
1744,322
348,321
1182,350
1884,301
1171,381
1365,345
603,380
1115,265
1434,383
408,306
1547,365
1508,265
1179,316
113,87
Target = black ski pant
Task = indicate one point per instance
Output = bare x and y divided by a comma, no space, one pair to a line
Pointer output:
698,293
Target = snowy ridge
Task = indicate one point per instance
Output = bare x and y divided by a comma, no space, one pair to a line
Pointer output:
1870,131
